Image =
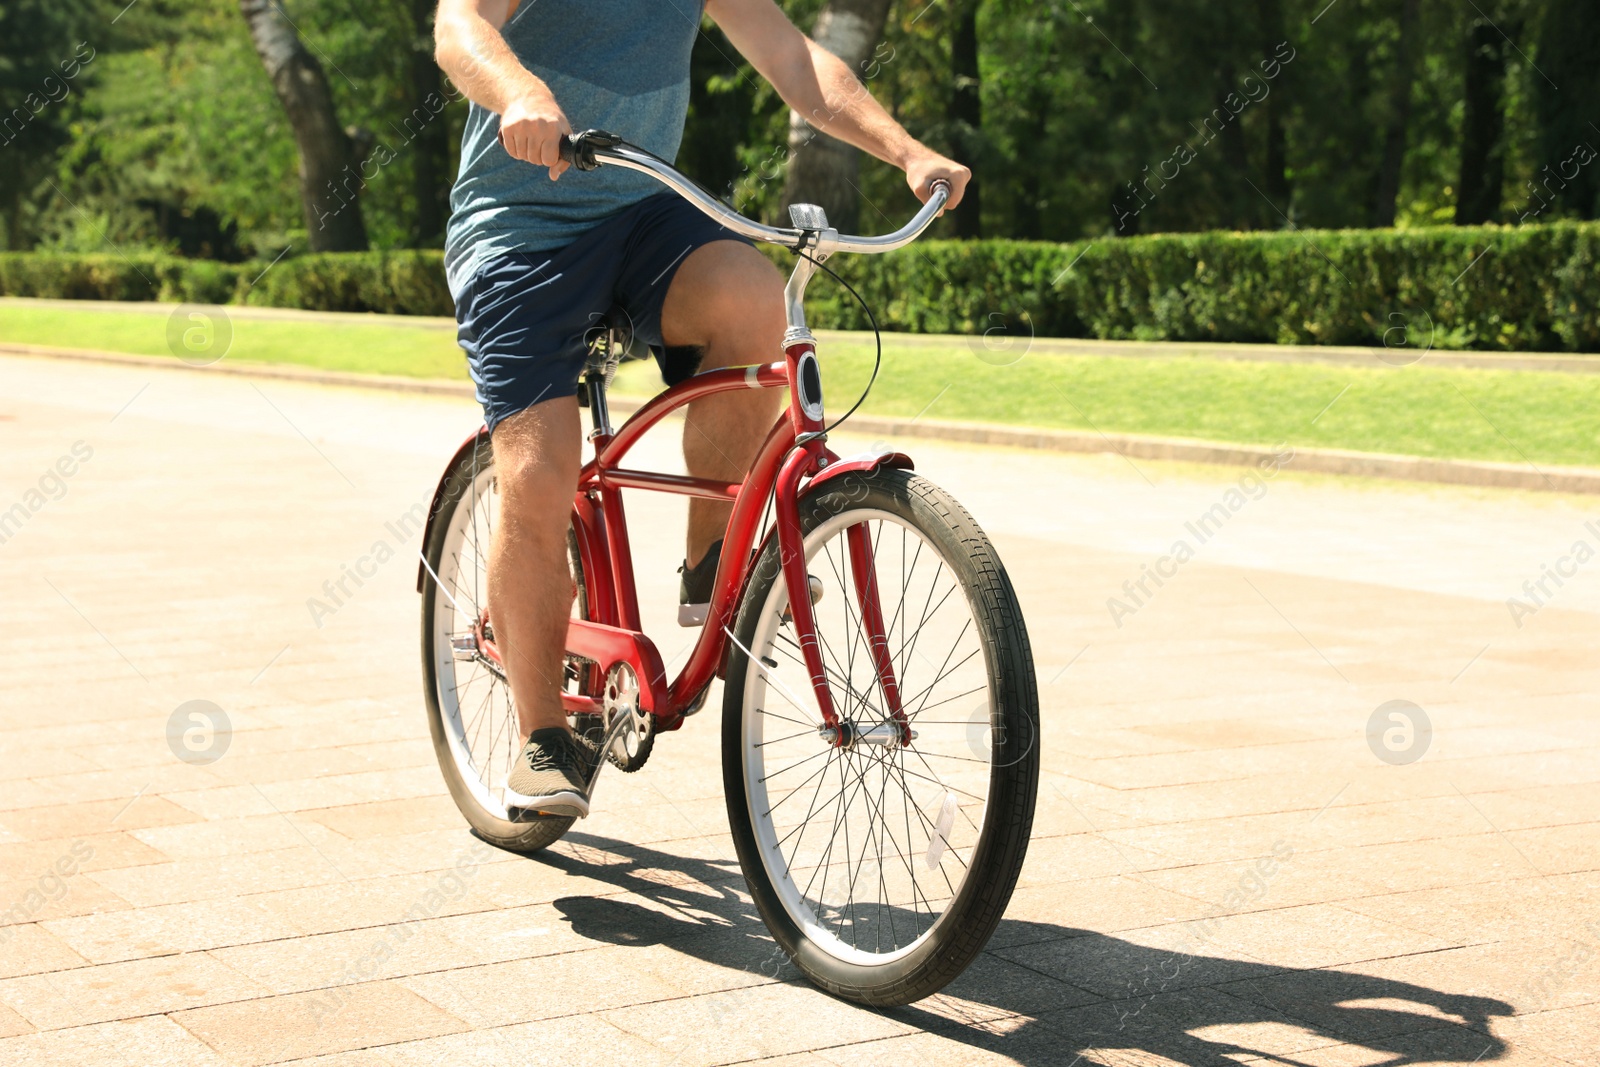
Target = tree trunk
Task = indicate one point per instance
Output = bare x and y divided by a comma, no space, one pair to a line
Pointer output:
1569,118
430,164
1277,156
1246,207
966,114
330,176
822,169
1482,147
1028,211
1386,184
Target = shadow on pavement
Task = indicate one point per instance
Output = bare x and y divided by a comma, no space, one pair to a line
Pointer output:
1049,994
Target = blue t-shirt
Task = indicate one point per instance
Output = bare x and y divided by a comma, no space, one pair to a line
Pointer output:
615,65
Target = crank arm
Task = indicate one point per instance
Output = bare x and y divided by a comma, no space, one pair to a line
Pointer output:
613,732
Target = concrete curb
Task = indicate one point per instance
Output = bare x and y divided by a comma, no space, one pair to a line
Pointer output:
1132,446
437,386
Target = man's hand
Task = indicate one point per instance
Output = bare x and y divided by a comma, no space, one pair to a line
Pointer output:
470,49
927,167
531,129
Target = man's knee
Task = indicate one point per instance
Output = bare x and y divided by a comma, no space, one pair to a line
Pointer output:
537,458
726,298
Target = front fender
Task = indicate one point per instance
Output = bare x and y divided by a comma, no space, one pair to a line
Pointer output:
863,462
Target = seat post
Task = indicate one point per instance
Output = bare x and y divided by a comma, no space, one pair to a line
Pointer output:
602,367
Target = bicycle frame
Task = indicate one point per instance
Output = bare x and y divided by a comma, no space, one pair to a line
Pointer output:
612,632
793,460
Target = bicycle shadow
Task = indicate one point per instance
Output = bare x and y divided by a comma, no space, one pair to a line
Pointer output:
1051,994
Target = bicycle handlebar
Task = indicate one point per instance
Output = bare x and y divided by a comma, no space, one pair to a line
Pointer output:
592,148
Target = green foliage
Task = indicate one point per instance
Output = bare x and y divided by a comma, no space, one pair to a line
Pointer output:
397,283
46,65
1530,288
172,140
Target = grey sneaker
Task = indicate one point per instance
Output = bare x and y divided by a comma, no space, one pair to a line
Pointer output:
551,775
694,591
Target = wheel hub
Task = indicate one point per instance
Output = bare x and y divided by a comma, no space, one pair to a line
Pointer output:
848,735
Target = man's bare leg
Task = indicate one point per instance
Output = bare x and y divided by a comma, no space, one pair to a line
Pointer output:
536,459
727,300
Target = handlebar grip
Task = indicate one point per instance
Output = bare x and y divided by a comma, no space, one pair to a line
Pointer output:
578,148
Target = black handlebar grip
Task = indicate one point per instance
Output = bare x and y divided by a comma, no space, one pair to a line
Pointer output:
578,148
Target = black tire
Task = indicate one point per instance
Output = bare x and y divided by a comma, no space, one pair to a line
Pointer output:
935,953
475,469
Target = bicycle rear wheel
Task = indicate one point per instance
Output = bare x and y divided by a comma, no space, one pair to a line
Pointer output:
471,714
881,867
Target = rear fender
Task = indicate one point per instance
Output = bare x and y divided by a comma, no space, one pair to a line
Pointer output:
462,453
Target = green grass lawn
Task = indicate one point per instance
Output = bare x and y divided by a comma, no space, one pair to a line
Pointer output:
378,347
1419,410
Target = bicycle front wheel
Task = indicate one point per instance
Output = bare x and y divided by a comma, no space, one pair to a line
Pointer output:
882,866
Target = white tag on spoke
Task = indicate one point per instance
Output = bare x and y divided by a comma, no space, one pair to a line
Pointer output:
941,831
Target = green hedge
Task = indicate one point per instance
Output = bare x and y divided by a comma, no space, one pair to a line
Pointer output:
395,283
1530,288
1525,288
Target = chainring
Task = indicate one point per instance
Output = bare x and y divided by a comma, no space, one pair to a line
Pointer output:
633,745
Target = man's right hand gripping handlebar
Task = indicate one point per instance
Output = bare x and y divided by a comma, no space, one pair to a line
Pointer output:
534,129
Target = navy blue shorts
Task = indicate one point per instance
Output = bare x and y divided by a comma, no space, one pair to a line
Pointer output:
525,318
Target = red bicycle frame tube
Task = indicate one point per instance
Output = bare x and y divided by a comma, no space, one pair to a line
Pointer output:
792,452
602,536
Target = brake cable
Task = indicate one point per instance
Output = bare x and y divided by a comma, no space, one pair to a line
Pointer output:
877,335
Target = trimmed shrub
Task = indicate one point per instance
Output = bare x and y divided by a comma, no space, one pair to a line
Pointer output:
392,283
1492,287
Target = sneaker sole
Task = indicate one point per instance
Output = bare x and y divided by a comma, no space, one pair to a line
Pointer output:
693,614
565,803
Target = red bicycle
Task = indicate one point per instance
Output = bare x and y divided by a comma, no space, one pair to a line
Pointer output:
880,715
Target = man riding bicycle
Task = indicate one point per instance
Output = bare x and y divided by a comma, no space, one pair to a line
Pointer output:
534,265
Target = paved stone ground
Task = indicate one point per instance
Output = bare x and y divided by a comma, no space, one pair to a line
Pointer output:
1222,869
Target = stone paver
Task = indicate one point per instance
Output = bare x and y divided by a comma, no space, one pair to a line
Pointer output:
251,911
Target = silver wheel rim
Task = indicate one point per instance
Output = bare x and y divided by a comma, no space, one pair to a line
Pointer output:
475,705
867,848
